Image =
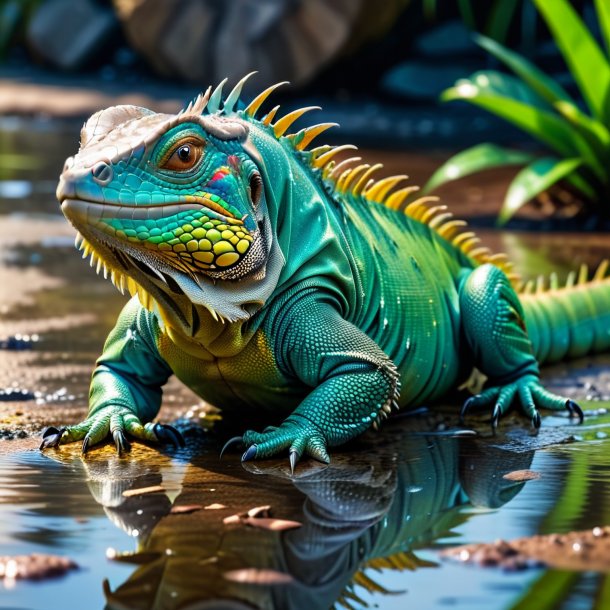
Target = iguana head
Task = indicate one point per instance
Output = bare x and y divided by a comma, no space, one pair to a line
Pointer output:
174,204
197,208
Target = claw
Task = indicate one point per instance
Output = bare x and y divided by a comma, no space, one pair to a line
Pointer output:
249,454
231,441
166,433
51,437
85,445
465,408
536,420
575,409
121,443
495,418
294,458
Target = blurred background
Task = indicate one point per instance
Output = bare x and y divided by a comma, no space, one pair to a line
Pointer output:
376,66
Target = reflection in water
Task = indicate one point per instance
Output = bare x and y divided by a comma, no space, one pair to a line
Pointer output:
371,508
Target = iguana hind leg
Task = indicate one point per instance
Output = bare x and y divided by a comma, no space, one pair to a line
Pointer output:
494,327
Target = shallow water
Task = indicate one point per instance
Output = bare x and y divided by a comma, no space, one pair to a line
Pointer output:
372,523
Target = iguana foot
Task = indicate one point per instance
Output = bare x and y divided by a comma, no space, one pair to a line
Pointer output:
300,438
111,420
529,392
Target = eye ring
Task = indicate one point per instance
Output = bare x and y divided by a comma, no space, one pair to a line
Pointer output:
184,156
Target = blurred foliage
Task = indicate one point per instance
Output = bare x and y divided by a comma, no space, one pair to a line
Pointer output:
14,15
534,102
493,18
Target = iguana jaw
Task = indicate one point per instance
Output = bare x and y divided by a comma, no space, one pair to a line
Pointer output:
162,278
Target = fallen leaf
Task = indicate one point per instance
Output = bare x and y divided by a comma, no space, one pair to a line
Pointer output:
233,519
259,511
35,566
522,475
185,508
276,525
255,576
143,490
214,506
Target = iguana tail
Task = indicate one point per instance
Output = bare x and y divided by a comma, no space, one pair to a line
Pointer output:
569,321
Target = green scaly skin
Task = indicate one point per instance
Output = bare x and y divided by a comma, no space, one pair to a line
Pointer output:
270,285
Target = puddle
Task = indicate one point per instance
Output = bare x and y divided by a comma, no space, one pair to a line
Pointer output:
374,523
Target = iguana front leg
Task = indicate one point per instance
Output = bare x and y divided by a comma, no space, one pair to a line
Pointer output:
125,394
354,383
495,330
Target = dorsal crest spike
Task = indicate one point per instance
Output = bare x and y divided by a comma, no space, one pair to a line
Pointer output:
397,198
381,188
270,116
232,98
257,102
310,133
364,179
583,274
198,105
600,272
432,212
327,156
353,176
281,125
216,97
341,167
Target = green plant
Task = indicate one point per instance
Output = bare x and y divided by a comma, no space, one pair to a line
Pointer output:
538,105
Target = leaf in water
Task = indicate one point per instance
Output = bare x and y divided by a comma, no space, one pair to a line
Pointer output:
34,566
214,506
276,525
521,475
185,509
260,511
143,490
232,520
255,576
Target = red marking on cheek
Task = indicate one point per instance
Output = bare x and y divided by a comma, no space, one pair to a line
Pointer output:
233,161
220,174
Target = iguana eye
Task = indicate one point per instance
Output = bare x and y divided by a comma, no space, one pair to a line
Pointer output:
184,156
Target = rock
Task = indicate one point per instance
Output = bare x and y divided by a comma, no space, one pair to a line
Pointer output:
450,39
424,81
69,34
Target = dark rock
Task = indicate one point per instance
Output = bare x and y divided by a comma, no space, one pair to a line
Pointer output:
424,81
450,39
69,34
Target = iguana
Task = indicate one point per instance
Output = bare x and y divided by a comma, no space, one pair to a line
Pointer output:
276,282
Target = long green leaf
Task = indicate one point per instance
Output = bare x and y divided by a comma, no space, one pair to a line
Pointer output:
533,180
500,17
541,83
603,16
582,185
472,160
597,152
581,52
544,125
548,591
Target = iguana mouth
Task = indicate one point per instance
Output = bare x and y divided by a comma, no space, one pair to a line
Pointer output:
191,237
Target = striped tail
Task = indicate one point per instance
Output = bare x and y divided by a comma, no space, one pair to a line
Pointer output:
569,321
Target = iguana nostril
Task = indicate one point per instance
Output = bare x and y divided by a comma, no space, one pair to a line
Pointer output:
102,173
68,164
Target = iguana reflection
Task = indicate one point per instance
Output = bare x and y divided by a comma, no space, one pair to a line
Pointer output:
373,507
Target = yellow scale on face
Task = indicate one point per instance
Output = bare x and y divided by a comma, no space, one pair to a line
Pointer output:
215,243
